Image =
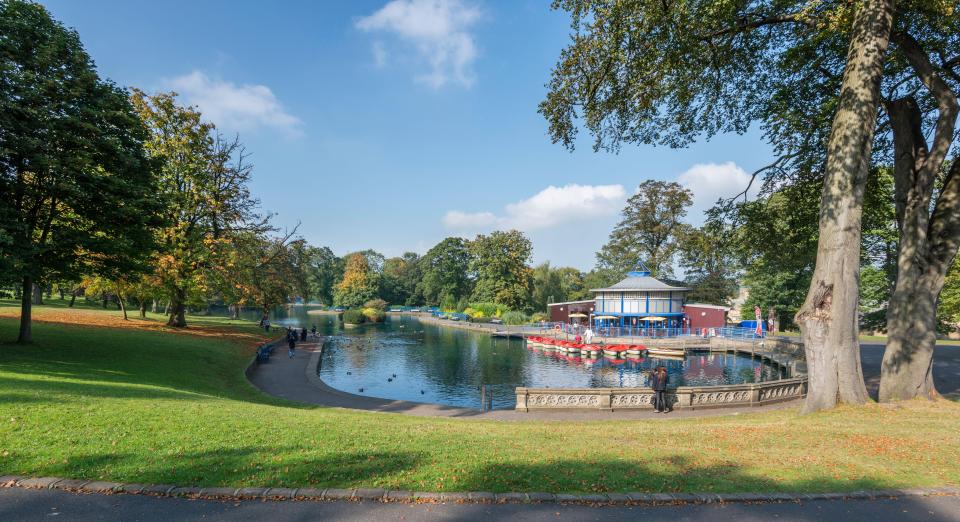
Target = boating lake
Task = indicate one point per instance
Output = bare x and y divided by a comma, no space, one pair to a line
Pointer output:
445,365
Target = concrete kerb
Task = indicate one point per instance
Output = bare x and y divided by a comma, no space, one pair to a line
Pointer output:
472,497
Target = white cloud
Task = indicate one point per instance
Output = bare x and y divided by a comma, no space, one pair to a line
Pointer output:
468,221
710,182
548,208
439,31
237,107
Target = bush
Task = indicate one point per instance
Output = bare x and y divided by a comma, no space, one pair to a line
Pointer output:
353,316
489,309
379,304
514,318
539,317
448,303
374,315
481,319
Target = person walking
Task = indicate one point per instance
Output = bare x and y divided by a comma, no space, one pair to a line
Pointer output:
291,346
313,331
266,325
303,335
658,381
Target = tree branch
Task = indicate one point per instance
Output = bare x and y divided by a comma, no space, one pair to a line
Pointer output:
745,23
944,231
946,99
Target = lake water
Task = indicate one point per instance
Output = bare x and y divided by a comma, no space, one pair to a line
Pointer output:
447,365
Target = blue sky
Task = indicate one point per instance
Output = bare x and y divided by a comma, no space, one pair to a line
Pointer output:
391,124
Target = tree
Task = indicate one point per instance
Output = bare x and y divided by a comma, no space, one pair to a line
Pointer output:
398,285
707,257
574,284
776,243
927,193
500,262
657,72
445,270
359,283
77,192
180,142
548,286
324,272
649,230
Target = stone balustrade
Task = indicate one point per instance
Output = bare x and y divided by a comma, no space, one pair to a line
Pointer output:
684,397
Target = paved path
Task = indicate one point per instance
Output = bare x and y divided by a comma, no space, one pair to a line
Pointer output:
946,368
288,378
40,504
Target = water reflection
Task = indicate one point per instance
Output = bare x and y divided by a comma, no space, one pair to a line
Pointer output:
447,366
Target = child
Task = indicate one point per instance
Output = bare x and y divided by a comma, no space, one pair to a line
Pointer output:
292,346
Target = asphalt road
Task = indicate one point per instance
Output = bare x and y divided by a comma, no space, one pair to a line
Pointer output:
946,368
46,505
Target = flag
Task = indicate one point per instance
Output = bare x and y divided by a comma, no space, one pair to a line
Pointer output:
759,330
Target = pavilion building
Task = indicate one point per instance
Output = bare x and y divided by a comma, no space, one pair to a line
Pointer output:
640,301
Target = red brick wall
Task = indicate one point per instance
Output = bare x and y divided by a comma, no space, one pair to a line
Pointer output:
702,317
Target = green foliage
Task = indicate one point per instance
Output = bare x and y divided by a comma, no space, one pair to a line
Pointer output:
948,312
353,316
445,271
708,258
547,286
777,244
514,318
500,263
398,284
374,315
359,283
538,317
77,191
649,230
324,271
874,289
487,309
448,303
378,304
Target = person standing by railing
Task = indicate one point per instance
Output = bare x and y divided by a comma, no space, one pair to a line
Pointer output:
658,381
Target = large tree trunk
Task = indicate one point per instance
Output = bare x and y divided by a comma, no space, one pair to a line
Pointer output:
73,298
143,309
26,309
928,244
178,308
828,317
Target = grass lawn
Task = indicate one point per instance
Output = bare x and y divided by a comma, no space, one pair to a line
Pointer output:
134,402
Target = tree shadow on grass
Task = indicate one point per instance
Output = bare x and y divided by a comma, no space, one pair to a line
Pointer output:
91,362
252,466
670,474
236,467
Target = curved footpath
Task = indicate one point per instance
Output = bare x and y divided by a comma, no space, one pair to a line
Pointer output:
297,380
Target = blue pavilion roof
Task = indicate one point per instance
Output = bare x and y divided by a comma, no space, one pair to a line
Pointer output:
641,281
